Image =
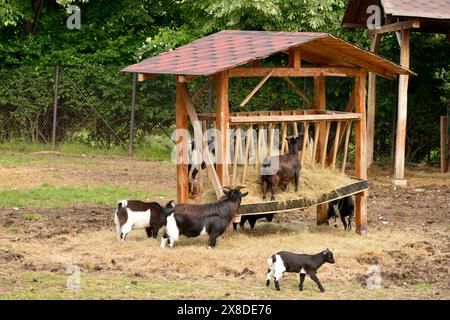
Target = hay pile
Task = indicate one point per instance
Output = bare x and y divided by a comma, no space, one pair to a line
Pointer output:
314,182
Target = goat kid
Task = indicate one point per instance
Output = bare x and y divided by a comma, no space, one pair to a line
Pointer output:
344,207
135,214
252,219
303,264
193,220
280,170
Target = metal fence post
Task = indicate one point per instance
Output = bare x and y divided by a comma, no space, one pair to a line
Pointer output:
55,107
133,109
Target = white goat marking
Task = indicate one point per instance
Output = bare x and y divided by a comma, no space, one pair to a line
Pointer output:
171,228
302,271
139,219
276,267
124,203
203,232
163,242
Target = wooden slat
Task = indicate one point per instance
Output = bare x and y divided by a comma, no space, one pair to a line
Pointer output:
325,143
271,137
305,141
335,146
347,140
237,146
316,140
283,137
247,148
444,144
255,89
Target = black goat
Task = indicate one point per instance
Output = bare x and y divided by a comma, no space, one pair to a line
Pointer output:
302,263
135,214
344,207
193,220
252,219
280,170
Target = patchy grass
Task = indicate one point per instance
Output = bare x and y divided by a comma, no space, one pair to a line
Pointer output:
49,196
33,216
157,148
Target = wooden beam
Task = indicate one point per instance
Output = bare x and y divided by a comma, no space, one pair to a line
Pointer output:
375,42
201,90
198,136
255,89
360,153
222,125
181,146
336,54
293,118
305,71
399,176
145,76
297,90
399,26
294,58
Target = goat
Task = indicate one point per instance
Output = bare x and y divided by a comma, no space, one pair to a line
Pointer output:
135,214
282,169
252,219
302,263
193,186
344,207
193,220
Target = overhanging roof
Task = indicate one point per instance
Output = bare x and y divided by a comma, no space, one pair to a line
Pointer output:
230,48
433,14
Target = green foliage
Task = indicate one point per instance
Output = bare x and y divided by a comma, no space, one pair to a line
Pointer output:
118,33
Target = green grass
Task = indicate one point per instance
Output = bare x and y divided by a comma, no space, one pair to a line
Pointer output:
33,216
49,196
157,149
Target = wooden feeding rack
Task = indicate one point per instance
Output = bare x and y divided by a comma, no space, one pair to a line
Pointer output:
235,54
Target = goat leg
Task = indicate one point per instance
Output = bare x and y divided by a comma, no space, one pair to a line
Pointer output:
212,240
252,222
268,276
302,279
344,222
296,177
313,276
264,186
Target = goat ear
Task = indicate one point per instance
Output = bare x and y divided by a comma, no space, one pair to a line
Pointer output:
244,194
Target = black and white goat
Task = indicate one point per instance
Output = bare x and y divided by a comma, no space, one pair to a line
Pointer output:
135,214
299,263
252,219
344,207
193,220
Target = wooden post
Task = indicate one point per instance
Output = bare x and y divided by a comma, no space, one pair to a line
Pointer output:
360,153
320,103
375,42
222,125
181,145
444,145
399,175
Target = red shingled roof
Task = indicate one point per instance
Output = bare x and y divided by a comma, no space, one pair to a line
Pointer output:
230,48
435,9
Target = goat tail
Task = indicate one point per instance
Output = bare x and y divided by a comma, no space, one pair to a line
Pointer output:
271,260
121,204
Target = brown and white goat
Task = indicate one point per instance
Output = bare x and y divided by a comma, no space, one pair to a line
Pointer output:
280,170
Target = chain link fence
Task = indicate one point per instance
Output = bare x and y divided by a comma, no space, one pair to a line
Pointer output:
100,106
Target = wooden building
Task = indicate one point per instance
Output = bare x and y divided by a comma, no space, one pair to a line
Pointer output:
231,54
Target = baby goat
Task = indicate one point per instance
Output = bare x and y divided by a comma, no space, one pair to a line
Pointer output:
344,207
301,263
135,214
280,170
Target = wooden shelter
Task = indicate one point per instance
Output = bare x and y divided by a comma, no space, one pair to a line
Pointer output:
401,17
235,54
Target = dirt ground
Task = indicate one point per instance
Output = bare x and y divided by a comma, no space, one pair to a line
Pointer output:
408,239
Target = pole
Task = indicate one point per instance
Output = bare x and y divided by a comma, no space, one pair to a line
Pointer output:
133,109
55,107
